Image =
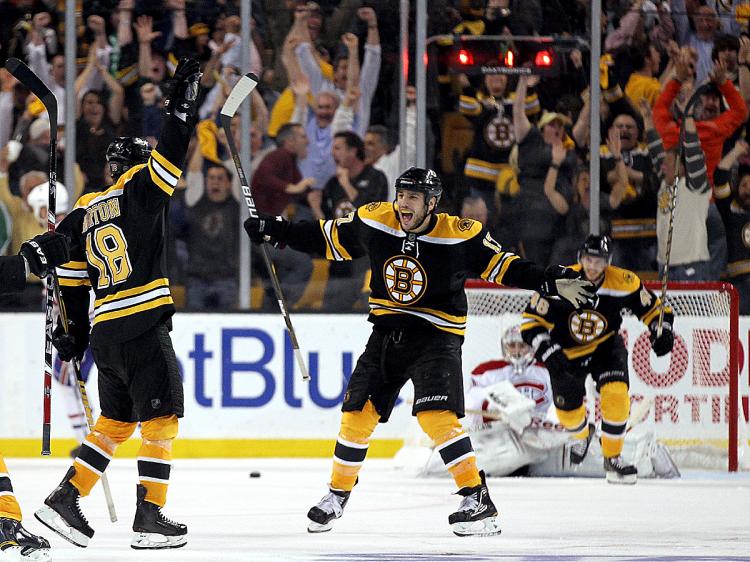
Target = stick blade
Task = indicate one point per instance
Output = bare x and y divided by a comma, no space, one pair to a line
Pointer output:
241,90
28,78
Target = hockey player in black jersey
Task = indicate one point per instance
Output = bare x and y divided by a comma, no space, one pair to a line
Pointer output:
118,250
575,343
419,261
37,256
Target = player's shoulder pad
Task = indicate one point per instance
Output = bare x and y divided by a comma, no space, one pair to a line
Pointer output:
489,366
379,214
619,280
115,189
452,229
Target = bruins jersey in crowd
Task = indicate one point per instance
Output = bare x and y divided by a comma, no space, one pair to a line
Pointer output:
581,332
118,245
737,224
417,279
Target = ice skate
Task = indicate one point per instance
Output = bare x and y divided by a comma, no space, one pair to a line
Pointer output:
63,515
579,447
618,471
331,507
477,515
152,530
17,544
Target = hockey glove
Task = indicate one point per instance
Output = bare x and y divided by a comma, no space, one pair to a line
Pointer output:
566,283
73,344
661,344
267,228
181,91
555,360
45,252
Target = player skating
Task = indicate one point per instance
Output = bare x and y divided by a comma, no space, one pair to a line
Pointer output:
37,256
420,260
118,240
576,343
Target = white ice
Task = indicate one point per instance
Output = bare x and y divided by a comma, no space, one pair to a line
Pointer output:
395,516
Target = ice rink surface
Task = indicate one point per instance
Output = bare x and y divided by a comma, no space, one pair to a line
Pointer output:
395,516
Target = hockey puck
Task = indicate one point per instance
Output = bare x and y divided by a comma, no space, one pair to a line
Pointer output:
255,474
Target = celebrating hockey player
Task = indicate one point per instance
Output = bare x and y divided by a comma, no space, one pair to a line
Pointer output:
420,260
576,343
118,241
37,256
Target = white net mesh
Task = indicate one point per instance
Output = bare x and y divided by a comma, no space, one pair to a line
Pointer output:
690,387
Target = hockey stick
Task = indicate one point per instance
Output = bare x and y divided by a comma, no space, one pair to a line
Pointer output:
27,77
239,93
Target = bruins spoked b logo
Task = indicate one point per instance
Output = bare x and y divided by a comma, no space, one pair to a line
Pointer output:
405,279
587,325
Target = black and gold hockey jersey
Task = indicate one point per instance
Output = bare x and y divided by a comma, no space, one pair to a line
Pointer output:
737,224
118,245
580,332
417,279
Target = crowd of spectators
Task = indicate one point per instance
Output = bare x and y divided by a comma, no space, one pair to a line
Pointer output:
513,152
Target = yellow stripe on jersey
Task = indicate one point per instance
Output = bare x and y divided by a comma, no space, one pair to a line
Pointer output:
86,200
73,282
583,350
163,282
653,312
334,249
532,320
469,106
163,301
161,159
73,274
498,266
383,312
74,265
441,320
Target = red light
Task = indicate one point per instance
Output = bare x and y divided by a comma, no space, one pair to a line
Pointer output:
510,59
543,58
465,57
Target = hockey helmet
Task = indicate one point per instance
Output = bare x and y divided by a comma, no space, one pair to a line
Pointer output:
38,199
516,351
596,245
125,152
420,179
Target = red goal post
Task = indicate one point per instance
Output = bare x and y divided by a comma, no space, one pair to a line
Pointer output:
695,389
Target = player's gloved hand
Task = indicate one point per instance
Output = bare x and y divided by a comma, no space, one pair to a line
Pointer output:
267,228
73,344
567,283
555,360
181,91
661,344
45,252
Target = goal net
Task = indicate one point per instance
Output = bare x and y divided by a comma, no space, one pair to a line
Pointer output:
695,391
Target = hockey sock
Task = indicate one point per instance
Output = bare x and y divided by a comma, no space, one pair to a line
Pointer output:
453,444
574,421
351,446
97,450
8,504
155,457
615,402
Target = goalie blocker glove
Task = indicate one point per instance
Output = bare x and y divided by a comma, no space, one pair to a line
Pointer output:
71,344
181,96
661,344
267,228
567,283
45,252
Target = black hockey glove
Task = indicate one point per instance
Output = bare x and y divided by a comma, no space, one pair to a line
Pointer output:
73,344
555,360
661,344
45,252
567,283
267,228
181,91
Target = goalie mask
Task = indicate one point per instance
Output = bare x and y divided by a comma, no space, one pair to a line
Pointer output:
125,152
516,351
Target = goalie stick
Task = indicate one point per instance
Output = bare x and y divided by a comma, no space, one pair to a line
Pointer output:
28,78
239,93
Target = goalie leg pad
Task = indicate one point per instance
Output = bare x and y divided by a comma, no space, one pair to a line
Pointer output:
615,404
351,446
453,444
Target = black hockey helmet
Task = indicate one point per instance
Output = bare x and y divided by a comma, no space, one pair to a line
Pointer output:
596,245
420,179
125,152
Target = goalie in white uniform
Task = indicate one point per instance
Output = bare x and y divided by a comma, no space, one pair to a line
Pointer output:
516,432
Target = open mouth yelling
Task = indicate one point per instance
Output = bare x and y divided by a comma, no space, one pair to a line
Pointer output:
407,217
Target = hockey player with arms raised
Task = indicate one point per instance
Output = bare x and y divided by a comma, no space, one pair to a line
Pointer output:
575,343
118,249
420,260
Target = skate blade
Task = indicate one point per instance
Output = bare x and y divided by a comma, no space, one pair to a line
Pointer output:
52,520
314,527
156,541
26,554
487,527
614,478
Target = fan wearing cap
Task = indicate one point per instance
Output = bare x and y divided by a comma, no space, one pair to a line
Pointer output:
574,344
419,260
